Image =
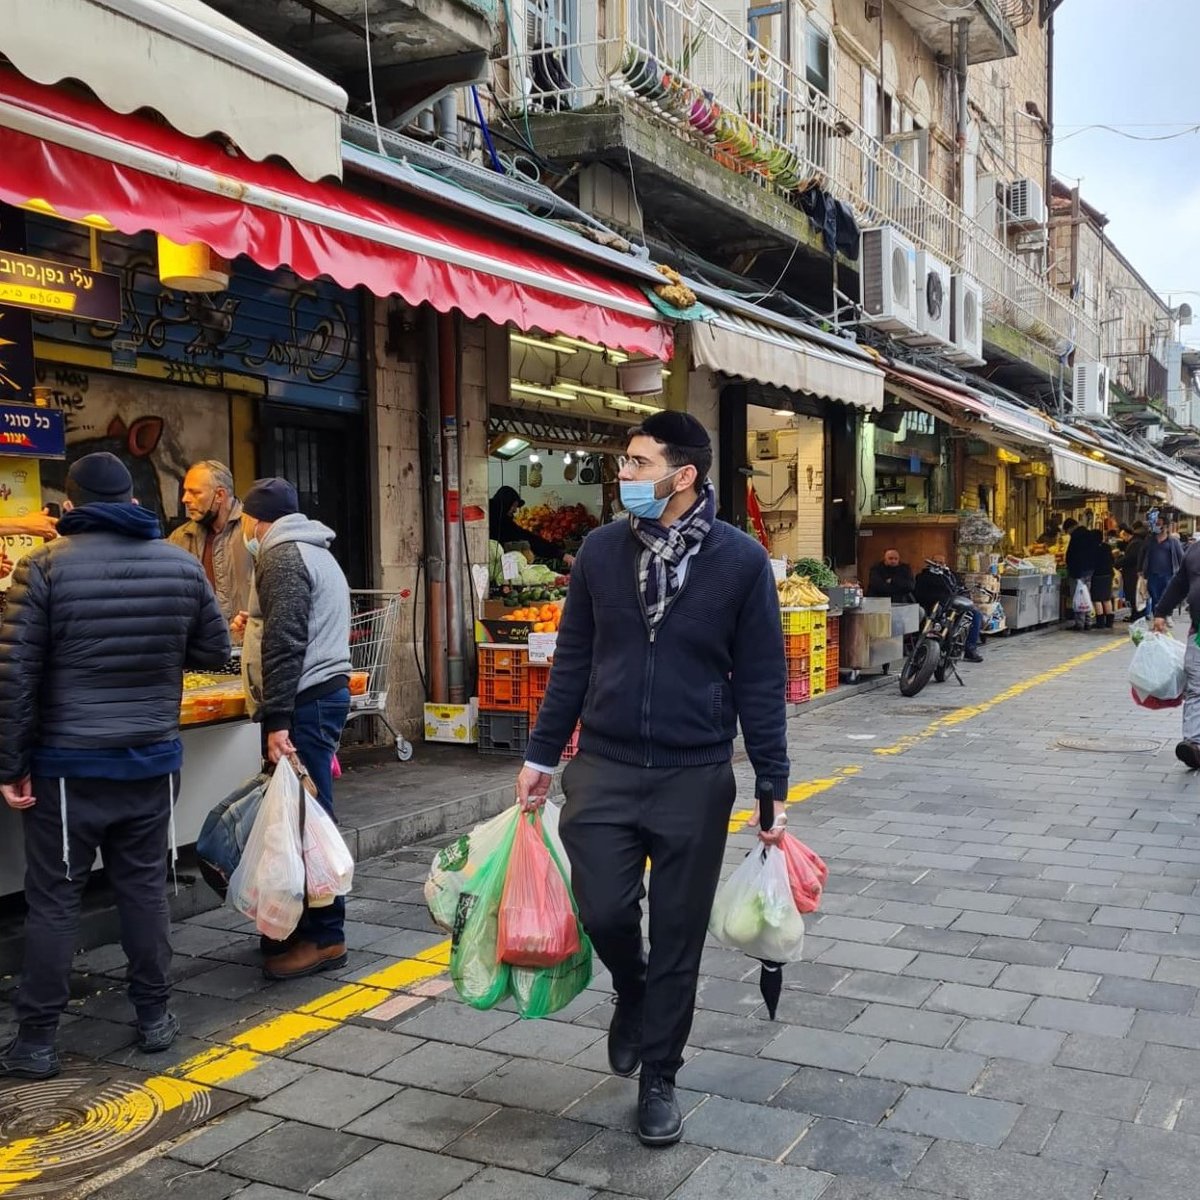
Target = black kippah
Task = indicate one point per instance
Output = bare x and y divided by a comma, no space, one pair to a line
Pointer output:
677,429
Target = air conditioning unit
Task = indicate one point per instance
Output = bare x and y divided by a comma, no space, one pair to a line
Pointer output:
889,280
966,321
933,302
1025,203
1155,433
1089,390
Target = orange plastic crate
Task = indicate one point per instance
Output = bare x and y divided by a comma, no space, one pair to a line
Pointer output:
572,747
799,668
796,644
503,679
539,679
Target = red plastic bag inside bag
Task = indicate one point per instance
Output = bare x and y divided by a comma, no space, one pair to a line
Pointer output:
1154,701
538,925
807,873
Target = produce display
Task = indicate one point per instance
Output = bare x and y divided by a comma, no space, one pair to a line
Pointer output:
546,619
797,592
534,584
558,524
816,571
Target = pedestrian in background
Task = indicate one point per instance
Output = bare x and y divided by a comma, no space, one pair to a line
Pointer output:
1185,585
1133,543
1101,586
1080,558
1162,557
296,667
99,627
213,534
670,636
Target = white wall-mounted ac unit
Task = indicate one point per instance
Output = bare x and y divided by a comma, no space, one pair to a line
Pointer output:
1089,390
888,273
1025,203
966,321
933,302
1155,434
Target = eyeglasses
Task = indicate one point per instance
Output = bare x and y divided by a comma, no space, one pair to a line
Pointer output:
633,462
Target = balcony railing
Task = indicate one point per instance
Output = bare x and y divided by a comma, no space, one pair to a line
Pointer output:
691,68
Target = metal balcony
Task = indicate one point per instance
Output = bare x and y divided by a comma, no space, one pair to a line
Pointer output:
990,27
689,68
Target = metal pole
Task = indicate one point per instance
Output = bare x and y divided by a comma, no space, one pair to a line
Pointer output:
960,55
435,536
447,337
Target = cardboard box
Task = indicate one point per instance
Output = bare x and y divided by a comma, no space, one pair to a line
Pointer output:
455,723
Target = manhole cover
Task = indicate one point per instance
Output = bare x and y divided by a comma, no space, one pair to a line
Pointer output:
57,1134
1110,745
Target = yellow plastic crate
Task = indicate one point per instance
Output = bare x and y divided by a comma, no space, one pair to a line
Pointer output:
797,620
818,685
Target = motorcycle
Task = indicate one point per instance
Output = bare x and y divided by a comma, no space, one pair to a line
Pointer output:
943,637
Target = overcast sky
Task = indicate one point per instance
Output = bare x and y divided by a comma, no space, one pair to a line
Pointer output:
1131,63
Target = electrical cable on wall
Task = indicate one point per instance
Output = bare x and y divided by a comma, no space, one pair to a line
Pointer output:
371,76
487,133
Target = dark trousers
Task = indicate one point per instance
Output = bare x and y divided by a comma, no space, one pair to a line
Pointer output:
975,633
128,821
615,817
316,730
1156,585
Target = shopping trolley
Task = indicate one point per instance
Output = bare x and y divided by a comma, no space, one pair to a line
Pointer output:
372,637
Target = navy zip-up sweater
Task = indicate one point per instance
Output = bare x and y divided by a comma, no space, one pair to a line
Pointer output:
671,698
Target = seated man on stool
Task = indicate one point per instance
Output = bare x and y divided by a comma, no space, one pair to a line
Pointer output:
932,587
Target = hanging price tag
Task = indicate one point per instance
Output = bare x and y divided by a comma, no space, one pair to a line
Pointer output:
510,565
541,647
779,569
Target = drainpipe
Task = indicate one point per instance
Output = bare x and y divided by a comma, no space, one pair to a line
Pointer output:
447,354
960,67
1049,106
429,443
447,121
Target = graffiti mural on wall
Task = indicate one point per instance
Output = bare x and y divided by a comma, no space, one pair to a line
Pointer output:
301,337
156,430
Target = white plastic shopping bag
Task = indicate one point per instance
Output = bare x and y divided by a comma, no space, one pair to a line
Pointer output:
1083,599
328,863
455,865
268,884
754,910
1157,668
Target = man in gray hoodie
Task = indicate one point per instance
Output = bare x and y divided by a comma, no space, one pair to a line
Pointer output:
296,668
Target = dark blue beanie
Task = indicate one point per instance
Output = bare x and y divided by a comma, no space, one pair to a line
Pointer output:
270,499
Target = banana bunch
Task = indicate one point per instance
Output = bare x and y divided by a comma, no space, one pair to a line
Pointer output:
797,592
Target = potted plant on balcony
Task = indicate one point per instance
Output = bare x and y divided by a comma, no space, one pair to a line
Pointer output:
644,75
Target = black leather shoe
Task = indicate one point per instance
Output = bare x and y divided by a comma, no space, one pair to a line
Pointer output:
625,1038
156,1036
973,656
659,1120
1188,753
27,1060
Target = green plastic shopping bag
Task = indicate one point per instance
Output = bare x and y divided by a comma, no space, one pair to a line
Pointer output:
479,978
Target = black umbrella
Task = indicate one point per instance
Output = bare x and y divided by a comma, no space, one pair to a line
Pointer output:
770,978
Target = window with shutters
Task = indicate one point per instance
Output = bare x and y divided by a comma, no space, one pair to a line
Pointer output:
552,47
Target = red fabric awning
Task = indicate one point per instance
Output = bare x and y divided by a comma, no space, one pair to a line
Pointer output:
82,158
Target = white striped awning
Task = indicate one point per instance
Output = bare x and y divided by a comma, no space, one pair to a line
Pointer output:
1078,471
1184,495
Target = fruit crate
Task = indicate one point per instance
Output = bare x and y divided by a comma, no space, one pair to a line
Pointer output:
798,620
796,645
503,679
832,679
538,677
833,631
503,733
798,667
798,691
818,685
818,661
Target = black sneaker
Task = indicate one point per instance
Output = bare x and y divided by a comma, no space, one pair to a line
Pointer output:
625,1038
659,1120
157,1036
28,1060
1188,753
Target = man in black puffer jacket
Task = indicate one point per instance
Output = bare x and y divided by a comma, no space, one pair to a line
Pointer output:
98,629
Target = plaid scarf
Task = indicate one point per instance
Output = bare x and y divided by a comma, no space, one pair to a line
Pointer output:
665,547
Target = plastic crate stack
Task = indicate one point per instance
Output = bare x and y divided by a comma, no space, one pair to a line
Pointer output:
539,680
806,647
504,699
833,638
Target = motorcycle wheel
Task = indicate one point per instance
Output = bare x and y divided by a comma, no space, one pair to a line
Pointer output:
920,665
958,648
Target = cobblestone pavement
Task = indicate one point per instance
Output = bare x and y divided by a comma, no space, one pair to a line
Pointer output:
999,998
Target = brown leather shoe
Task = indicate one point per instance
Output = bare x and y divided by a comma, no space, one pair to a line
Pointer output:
305,958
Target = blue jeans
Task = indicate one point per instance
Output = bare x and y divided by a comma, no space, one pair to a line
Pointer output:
316,730
976,631
1156,585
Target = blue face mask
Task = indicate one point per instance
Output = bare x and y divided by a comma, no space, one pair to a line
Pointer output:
251,544
638,498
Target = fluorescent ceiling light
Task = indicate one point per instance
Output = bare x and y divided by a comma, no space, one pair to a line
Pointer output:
587,390
624,404
511,448
573,343
783,412
537,389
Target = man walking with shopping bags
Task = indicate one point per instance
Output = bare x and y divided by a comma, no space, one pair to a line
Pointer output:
296,666
670,637
98,629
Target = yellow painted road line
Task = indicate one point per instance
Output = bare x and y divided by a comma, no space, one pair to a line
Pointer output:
815,787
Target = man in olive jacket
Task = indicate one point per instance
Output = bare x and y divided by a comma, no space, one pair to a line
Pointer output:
99,627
